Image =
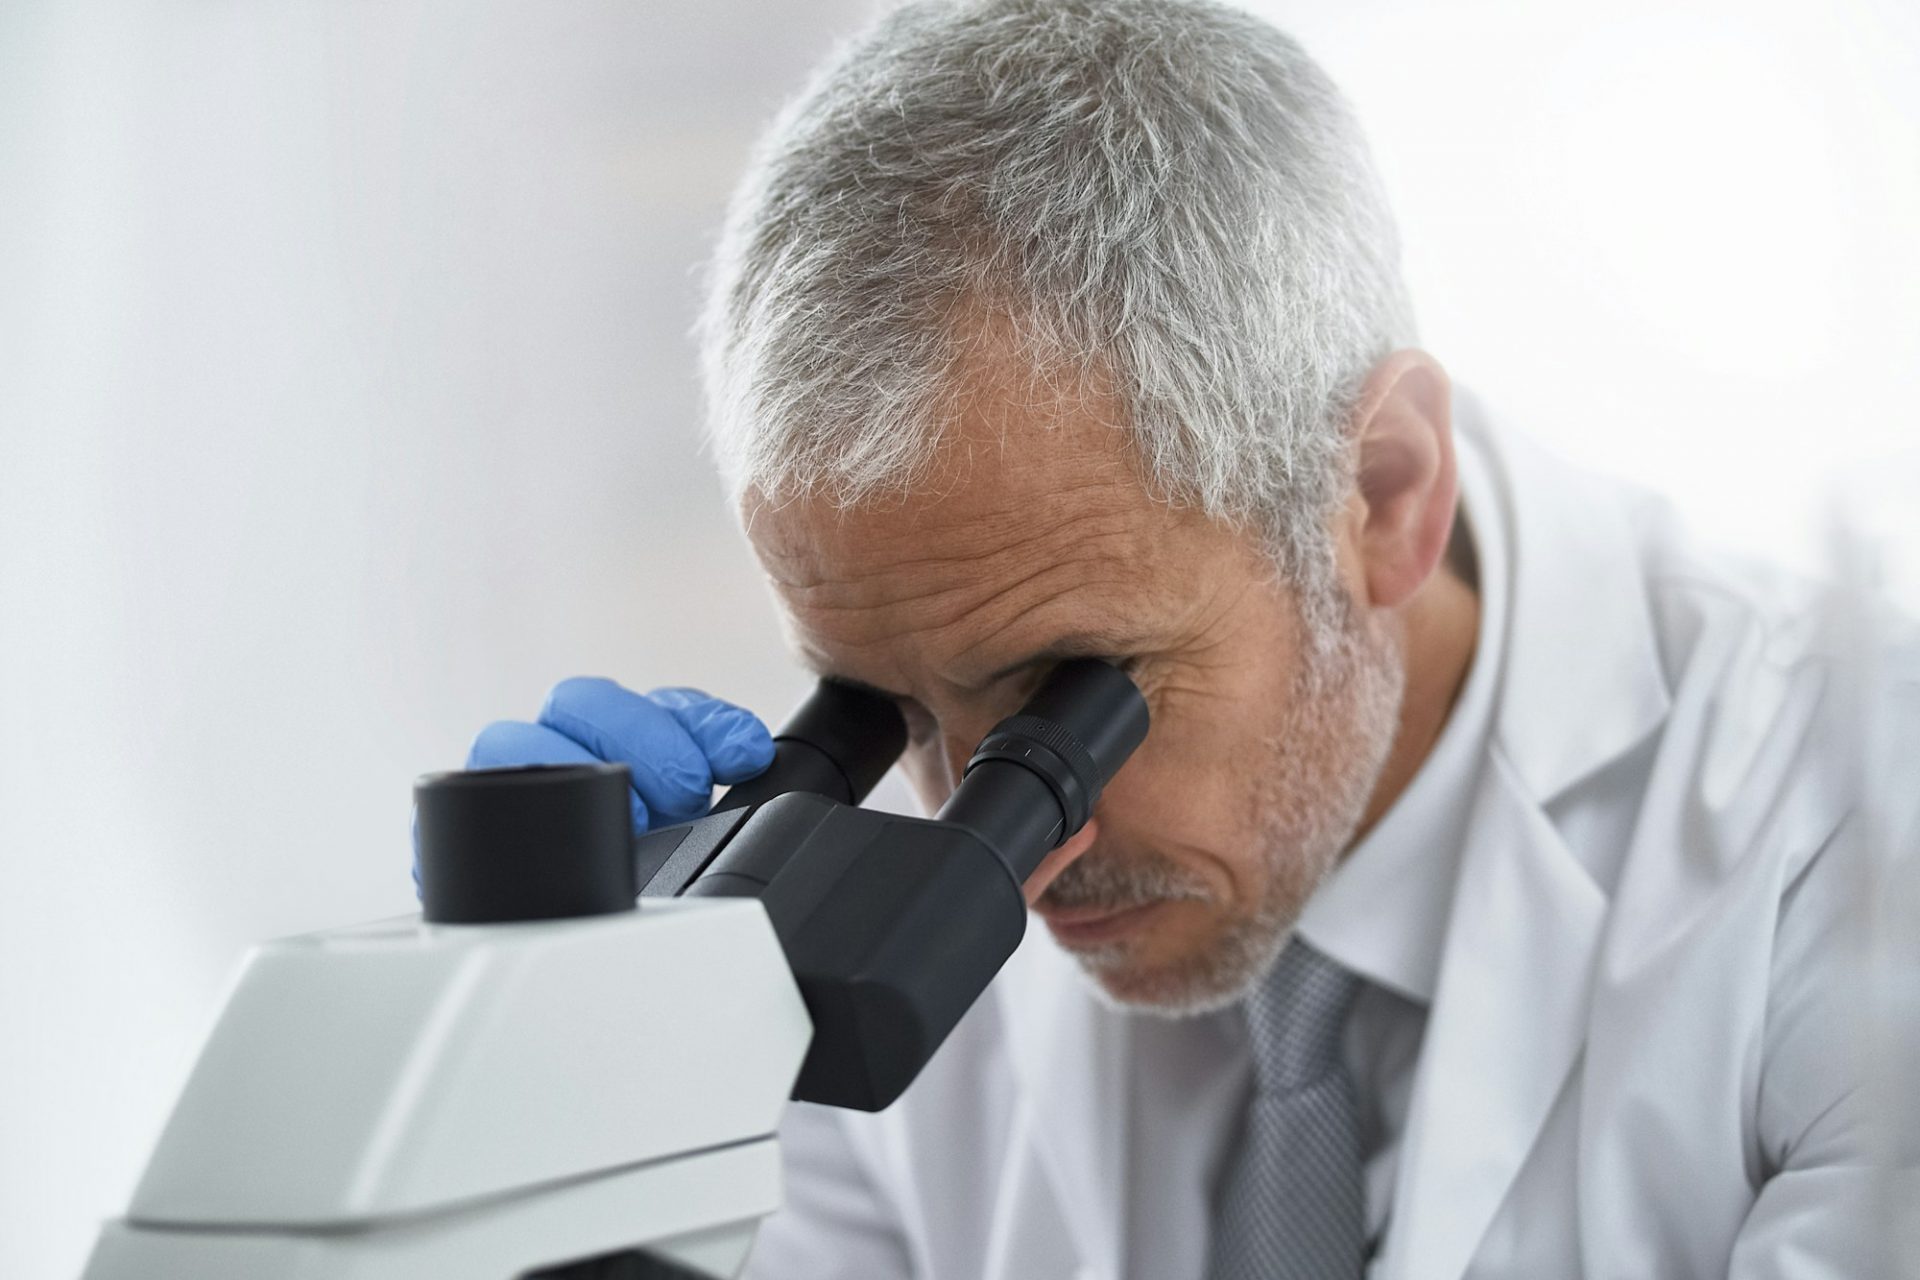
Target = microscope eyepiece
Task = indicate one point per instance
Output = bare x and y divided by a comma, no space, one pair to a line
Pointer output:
839,743
1075,733
1033,780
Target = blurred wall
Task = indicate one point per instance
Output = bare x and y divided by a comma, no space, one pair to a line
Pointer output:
348,406
346,403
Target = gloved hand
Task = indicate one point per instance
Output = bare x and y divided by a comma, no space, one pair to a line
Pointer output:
678,743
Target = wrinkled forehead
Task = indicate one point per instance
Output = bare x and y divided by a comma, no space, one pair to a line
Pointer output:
990,512
1042,542
983,500
1016,472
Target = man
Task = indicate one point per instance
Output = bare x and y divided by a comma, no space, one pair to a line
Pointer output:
1479,903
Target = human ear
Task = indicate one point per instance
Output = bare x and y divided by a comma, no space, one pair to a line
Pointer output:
1403,435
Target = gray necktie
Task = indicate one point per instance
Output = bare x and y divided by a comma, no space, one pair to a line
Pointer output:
1290,1204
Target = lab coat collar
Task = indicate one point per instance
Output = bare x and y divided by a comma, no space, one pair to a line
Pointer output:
1583,680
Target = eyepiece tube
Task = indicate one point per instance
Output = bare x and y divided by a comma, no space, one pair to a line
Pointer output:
839,743
1033,781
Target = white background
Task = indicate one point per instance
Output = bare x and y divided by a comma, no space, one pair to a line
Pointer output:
346,403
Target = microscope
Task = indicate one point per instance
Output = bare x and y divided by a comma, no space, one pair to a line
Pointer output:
572,1064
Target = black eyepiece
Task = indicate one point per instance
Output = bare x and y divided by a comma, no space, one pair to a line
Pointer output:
1033,781
839,743
1099,706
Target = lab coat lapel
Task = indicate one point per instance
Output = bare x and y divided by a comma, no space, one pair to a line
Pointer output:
1507,1024
1072,1057
1581,684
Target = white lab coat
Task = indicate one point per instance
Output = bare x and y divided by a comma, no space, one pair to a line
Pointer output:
1642,1055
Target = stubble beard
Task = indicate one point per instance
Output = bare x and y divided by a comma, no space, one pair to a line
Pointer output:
1345,711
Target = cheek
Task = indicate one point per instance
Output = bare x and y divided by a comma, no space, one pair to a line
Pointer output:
1183,791
1191,793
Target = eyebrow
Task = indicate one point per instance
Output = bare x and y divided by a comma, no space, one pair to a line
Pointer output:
1075,645
1079,644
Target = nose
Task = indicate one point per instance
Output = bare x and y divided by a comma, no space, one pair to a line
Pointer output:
1059,860
959,743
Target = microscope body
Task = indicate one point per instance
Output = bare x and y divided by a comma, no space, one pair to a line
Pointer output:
401,1099
572,1065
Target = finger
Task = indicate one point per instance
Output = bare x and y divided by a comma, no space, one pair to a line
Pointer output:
736,743
669,769
506,743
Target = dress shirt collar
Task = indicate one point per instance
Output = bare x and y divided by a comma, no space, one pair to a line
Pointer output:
1383,911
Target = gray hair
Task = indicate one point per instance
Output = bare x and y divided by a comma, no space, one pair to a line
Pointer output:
1166,193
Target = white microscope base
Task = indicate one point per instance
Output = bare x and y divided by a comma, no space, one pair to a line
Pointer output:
670,1206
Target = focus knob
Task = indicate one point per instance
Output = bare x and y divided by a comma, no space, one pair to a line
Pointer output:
539,842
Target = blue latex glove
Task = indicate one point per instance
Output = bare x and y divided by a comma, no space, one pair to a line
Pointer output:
678,743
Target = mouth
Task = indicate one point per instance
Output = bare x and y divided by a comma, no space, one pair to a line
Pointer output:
1086,926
